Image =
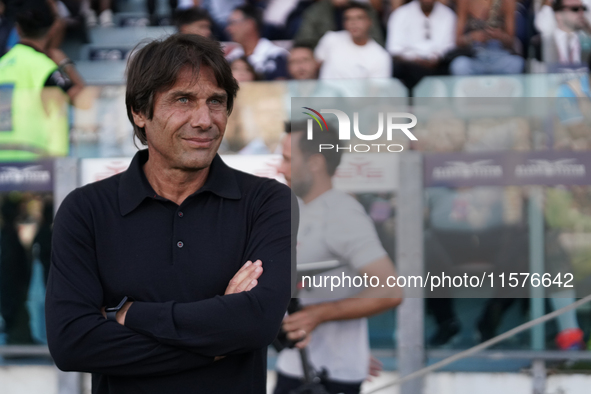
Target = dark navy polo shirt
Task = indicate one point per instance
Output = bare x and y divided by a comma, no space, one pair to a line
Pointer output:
117,238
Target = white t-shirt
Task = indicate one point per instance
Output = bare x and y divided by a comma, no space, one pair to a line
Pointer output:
413,35
342,59
335,226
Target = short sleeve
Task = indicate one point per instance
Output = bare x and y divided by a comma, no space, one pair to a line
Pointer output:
323,46
59,79
351,233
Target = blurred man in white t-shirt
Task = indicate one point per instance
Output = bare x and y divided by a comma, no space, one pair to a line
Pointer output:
352,53
333,226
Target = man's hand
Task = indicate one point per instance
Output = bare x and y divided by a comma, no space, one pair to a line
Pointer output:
375,367
246,278
299,325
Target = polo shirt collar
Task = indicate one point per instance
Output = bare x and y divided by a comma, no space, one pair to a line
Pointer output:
134,186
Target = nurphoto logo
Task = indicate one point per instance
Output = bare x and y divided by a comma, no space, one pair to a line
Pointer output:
344,132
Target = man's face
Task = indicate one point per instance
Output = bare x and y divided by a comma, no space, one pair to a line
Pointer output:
201,28
357,22
339,3
572,14
189,121
238,26
301,64
294,166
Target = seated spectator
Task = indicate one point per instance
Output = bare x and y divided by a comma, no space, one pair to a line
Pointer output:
276,18
244,27
243,71
193,21
419,34
486,32
559,26
301,63
352,53
220,11
91,8
327,15
151,7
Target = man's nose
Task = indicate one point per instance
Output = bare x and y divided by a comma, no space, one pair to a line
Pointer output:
201,117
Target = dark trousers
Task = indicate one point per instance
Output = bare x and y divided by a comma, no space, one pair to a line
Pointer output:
286,384
411,73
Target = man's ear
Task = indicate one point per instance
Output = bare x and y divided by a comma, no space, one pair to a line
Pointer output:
317,163
139,119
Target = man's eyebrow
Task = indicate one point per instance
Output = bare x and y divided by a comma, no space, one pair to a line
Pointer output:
179,93
219,96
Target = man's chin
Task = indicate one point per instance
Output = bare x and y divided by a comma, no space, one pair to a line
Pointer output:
197,160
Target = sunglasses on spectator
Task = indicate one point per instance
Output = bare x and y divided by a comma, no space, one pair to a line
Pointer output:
576,8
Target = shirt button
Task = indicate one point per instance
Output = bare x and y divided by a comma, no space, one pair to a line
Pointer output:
180,214
180,244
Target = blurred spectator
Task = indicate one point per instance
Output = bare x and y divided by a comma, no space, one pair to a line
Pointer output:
92,8
567,212
352,53
220,11
151,7
419,34
243,71
469,226
193,21
573,132
15,275
6,29
560,25
42,239
244,26
327,15
485,34
276,16
33,116
302,64
185,4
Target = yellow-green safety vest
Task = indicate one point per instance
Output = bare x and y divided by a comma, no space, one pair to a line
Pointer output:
33,121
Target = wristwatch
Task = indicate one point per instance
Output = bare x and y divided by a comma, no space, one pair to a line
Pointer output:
112,312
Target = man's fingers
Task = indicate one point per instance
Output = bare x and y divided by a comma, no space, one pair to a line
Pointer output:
243,274
301,337
247,281
304,342
242,281
253,283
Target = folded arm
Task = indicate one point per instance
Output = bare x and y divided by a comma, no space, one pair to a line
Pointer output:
241,322
79,337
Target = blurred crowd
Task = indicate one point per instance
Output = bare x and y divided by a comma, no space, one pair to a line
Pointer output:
307,39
